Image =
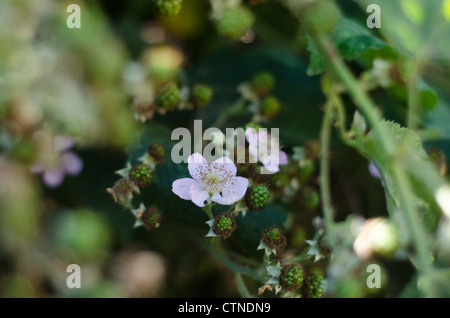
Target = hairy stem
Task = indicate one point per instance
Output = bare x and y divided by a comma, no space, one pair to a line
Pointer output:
325,135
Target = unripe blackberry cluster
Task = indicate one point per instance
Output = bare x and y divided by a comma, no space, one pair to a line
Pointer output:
263,83
157,151
201,95
151,218
123,189
257,197
270,106
291,277
224,225
308,199
273,238
141,174
168,7
314,286
321,17
235,22
168,96
378,236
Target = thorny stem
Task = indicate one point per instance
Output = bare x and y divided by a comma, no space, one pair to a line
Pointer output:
365,104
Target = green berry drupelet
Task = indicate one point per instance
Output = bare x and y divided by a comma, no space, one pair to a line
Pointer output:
257,197
224,225
270,106
263,83
141,174
157,151
291,277
151,218
273,238
235,22
168,8
168,96
201,95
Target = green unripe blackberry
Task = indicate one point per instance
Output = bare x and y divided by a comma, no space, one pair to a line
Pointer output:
235,22
168,96
308,199
270,106
307,168
273,238
378,236
257,197
263,83
291,277
384,237
141,174
314,286
321,16
201,95
157,151
168,8
224,225
123,189
151,218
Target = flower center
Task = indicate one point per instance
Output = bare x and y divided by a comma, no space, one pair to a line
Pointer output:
213,182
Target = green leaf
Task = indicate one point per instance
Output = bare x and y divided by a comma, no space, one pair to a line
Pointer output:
411,156
352,40
428,98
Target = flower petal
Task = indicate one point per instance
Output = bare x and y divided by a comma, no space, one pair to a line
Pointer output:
72,163
223,166
182,187
270,167
252,137
198,196
197,165
233,192
54,177
62,143
283,158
